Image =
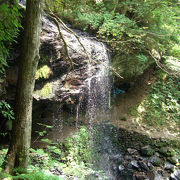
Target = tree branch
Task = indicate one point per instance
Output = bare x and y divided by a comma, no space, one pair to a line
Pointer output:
72,32
162,67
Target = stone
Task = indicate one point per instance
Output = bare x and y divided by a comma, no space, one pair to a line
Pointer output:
134,164
174,160
154,175
128,174
150,166
169,166
175,175
158,177
128,158
147,151
131,151
156,161
168,152
114,167
143,165
121,167
140,175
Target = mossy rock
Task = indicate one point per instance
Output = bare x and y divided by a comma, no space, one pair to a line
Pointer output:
45,92
155,160
167,152
43,72
147,151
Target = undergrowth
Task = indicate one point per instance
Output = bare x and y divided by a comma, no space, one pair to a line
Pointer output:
161,108
71,158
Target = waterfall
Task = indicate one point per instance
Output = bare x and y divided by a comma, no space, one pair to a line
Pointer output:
96,82
98,87
89,99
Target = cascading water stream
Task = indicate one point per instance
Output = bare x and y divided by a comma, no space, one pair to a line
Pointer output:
98,88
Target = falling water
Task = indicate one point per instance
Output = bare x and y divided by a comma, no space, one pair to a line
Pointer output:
95,90
98,87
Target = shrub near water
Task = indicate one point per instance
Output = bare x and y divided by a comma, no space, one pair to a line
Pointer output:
78,154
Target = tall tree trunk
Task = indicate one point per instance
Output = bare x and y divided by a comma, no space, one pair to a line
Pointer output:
18,153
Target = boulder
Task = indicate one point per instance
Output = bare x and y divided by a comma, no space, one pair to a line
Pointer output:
147,150
155,160
169,166
175,175
174,159
168,152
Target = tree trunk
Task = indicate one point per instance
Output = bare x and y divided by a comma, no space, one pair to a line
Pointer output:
18,153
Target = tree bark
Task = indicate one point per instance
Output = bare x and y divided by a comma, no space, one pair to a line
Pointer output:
18,152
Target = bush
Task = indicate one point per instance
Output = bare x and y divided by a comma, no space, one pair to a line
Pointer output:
162,105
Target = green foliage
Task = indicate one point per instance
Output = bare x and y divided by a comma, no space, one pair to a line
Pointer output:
162,106
2,156
142,58
6,110
78,147
9,28
34,172
72,156
43,133
78,154
131,28
116,26
36,175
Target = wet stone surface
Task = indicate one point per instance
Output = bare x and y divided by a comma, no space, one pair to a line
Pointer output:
138,161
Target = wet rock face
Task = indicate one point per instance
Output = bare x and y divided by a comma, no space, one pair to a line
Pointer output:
69,85
63,83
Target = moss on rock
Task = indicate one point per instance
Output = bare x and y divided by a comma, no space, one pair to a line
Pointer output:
46,91
43,72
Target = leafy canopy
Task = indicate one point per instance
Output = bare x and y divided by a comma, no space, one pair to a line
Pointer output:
9,28
130,27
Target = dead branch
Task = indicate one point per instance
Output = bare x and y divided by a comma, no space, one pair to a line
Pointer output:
72,32
64,41
163,67
65,45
